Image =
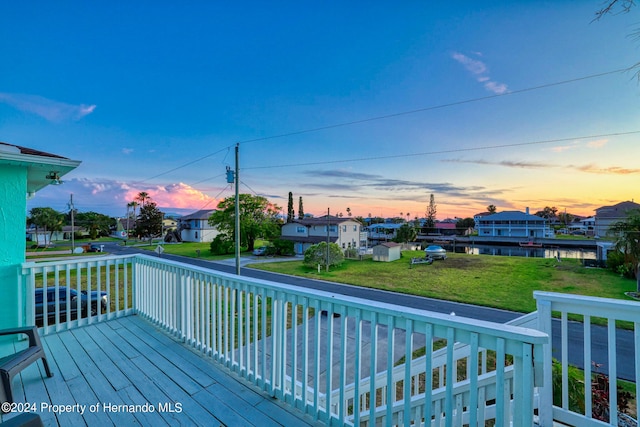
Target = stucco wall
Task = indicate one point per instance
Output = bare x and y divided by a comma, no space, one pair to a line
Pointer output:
13,194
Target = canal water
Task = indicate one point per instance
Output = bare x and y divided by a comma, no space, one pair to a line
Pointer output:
545,252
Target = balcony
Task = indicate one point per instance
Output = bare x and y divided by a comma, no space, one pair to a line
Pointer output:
223,346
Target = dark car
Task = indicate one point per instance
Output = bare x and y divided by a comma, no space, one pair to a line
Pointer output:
94,299
262,250
95,247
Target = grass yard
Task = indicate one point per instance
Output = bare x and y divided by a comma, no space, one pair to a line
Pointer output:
190,249
494,281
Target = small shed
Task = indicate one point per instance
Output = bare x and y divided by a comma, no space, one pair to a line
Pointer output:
387,252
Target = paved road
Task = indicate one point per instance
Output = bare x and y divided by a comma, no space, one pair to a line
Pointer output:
625,339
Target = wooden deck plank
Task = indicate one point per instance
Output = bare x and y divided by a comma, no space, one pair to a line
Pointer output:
157,359
191,408
93,376
144,389
132,395
54,346
158,340
131,362
117,379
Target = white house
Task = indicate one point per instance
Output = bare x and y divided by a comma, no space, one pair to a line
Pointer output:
609,215
346,232
195,227
513,224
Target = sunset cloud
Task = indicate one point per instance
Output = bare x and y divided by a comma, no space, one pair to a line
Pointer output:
598,143
114,196
590,168
53,111
481,72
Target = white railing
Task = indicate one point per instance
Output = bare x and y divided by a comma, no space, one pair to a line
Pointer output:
332,356
65,294
587,309
305,347
462,363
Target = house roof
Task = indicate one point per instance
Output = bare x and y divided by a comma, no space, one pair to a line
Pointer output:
445,225
390,244
201,214
309,239
39,164
512,216
323,220
616,211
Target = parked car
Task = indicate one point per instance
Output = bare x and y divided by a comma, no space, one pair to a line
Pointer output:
262,250
96,247
94,299
435,252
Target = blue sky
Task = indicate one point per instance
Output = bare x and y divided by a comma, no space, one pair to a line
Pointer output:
136,90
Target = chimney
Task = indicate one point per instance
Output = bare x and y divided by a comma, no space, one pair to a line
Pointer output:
527,210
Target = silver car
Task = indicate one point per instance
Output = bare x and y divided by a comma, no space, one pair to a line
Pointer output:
435,252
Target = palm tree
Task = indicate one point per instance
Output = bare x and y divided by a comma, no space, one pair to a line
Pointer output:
143,197
491,209
133,205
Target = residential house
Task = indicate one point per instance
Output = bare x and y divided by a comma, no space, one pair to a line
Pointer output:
387,252
23,171
195,227
345,232
584,226
513,224
606,216
169,224
382,232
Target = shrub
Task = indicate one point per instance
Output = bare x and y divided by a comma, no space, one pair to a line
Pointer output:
283,247
317,255
351,253
221,246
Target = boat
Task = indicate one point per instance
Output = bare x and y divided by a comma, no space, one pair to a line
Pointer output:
530,244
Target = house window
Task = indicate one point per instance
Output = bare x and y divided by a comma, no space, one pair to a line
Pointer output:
344,228
343,245
355,228
300,229
196,234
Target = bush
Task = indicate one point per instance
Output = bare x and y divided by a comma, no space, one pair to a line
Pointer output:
351,253
317,255
283,247
221,246
616,262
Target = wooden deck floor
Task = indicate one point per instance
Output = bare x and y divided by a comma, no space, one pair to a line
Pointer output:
105,368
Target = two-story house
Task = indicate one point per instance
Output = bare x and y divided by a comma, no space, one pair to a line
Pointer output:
513,224
195,227
345,232
606,216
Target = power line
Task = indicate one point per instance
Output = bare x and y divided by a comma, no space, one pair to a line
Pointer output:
399,114
453,150
436,107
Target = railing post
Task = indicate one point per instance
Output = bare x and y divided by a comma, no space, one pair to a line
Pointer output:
545,406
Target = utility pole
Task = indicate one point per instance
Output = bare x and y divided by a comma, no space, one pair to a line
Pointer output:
328,224
237,210
234,177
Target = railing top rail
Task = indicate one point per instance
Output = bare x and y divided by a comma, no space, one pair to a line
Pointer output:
592,306
78,260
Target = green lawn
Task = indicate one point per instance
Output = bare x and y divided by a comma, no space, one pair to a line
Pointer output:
494,281
190,249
